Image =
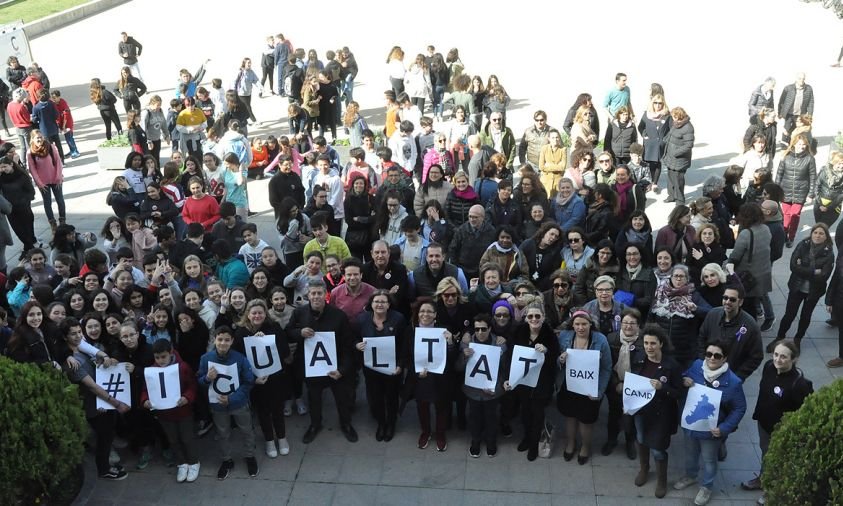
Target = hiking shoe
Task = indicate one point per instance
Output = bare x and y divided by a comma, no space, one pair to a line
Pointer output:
252,466
684,482
225,469
114,474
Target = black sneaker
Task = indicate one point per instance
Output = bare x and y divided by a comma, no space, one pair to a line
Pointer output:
506,430
252,466
225,469
114,474
768,324
491,451
474,450
205,427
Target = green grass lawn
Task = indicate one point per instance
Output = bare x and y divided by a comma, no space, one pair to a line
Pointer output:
30,10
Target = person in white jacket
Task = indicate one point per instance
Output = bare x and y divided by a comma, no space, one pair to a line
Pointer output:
403,146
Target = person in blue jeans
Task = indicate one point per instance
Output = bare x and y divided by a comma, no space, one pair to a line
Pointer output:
713,372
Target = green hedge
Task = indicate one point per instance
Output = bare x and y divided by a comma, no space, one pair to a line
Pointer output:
804,464
42,429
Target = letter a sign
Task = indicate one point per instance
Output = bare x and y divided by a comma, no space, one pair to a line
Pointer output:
481,368
430,350
379,354
226,383
162,385
263,355
320,355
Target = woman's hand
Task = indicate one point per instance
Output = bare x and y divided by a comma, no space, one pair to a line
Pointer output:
716,432
448,337
260,380
687,382
468,352
361,346
507,386
697,254
130,367
423,373
563,357
541,348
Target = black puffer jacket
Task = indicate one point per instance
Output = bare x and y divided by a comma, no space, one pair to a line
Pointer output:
829,187
804,264
797,175
679,143
456,208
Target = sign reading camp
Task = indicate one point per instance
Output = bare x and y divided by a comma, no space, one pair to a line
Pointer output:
320,354
637,392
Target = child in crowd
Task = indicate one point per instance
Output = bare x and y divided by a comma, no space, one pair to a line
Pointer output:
253,248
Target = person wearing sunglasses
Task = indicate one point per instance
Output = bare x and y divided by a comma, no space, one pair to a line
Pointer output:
624,343
734,325
454,313
483,404
558,300
653,127
576,252
713,371
499,137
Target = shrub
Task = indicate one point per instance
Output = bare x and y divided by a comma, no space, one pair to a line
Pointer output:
43,429
118,141
803,463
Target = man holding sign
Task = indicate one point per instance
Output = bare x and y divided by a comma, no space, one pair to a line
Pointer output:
714,407
540,337
319,317
170,389
229,379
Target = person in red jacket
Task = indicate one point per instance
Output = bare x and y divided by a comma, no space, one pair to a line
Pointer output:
177,422
32,84
65,121
21,115
44,162
200,207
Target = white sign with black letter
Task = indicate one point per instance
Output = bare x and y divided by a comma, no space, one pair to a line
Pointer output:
320,354
263,355
430,350
481,368
637,392
117,381
379,354
226,383
162,385
582,372
526,365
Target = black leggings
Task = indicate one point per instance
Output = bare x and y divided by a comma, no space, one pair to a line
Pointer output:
3,105
268,401
103,426
247,101
794,300
268,72
22,220
110,116
131,103
655,171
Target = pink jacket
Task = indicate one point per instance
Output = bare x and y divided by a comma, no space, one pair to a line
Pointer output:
445,159
45,170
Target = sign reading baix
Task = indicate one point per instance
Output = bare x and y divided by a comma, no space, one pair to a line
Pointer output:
526,366
637,392
379,354
162,385
320,354
226,383
430,350
263,355
582,372
481,368
117,382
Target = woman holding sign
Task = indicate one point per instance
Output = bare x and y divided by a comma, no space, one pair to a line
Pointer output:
656,421
269,392
382,385
535,334
713,373
454,313
582,410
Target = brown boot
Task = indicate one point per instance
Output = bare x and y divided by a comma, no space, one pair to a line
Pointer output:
644,465
661,477
53,226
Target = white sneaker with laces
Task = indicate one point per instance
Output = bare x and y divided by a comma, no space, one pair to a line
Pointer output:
182,473
703,496
283,446
684,482
271,452
192,472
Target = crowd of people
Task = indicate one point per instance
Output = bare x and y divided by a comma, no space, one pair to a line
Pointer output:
441,219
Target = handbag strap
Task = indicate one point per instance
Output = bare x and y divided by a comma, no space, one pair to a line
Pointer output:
751,244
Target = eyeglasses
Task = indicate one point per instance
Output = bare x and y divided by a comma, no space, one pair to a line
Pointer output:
603,160
495,120
449,295
715,356
501,315
533,317
521,293
574,239
679,276
481,329
560,285
603,290
440,140
730,299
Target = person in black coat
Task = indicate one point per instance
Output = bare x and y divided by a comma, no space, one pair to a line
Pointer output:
535,333
601,215
631,196
543,253
285,183
656,422
157,209
583,100
18,190
359,215
318,316
810,267
636,278
388,274
705,250
624,343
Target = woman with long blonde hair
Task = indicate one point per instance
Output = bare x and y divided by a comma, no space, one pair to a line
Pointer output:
355,124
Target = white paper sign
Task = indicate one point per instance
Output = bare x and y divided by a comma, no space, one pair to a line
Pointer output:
582,372
702,408
526,366
226,383
263,355
163,386
320,355
481,368
117,381
637,392
379,354
430,350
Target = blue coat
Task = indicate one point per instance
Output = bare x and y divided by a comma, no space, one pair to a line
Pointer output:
240,397
570,215
599,343
732,402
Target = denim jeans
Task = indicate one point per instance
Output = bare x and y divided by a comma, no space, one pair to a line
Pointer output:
71,142
348,89
46,193
707,449
438,95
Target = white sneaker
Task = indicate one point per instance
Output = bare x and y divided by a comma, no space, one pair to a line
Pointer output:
192,472
113,457
288,407
684,482
301,406
703,496
271,452
182,473
283,446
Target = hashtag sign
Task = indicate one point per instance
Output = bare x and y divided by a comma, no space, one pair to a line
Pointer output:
117,382
114,386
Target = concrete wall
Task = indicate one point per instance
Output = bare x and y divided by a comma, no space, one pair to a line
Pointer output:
46,25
